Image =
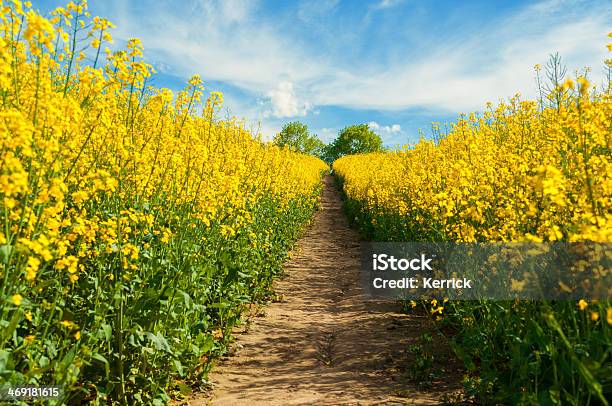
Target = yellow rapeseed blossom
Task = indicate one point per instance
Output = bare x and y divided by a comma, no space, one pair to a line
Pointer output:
105,180
522,171
17,299
67,323
491,179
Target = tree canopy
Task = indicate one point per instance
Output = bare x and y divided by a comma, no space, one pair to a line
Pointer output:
296,136
354,139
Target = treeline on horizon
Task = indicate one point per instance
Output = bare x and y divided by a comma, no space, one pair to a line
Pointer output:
551,87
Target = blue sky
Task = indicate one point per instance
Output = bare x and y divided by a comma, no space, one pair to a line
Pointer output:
397,64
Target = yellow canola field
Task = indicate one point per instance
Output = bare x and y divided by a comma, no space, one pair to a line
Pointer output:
73,136
522,171
135,223
514,173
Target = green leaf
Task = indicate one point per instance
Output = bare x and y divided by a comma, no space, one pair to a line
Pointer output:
43,361
12,325
208,344
5,357
178,366
102,359
107,330
232,275
159,341
555,396
5,253
589,379
467,359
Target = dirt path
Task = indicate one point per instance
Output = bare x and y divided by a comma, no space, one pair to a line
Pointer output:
322,343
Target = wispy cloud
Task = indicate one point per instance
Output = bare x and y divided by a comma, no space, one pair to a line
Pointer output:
222,43
462,77
382,4
384,129
275,59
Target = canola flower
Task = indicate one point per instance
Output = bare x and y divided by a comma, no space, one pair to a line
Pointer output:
523,171
136,224
17,299
513,174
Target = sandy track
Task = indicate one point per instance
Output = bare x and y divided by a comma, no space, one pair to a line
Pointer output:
321,343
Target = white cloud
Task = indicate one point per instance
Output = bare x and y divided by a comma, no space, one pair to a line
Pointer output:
161,67
384,129
236,10
463,77
285,103
220,42
227,41
387,4
552,6
228,11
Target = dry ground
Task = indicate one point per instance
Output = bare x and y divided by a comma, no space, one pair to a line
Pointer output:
322,343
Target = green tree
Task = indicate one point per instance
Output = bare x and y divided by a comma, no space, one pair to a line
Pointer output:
354,139
296,136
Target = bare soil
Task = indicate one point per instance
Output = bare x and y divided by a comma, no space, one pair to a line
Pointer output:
322,342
